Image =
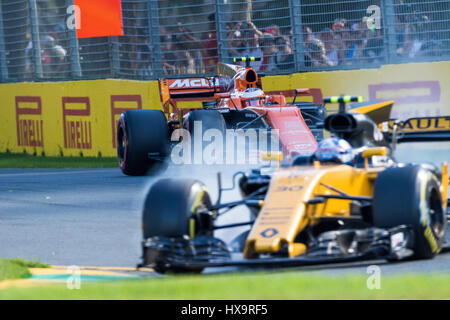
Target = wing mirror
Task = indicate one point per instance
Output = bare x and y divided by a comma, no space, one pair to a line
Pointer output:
378,151
368,153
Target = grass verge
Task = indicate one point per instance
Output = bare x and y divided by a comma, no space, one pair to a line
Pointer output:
284,285
12,160
17,268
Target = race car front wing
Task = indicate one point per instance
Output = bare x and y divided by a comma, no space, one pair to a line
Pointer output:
340,246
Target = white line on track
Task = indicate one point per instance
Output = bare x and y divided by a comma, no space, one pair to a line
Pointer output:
63,171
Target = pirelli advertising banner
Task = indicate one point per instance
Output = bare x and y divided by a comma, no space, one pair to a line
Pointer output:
79,117
69,118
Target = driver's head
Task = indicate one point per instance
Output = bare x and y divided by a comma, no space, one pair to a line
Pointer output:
252,97
334,150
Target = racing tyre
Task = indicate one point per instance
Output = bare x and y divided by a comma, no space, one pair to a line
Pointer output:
170,211
141,135
209,119
410,196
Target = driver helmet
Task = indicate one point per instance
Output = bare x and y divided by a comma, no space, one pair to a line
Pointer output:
334,150
252,97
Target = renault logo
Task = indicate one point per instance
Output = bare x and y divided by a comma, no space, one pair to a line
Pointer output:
269,233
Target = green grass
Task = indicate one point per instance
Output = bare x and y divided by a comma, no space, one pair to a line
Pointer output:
284,285
17,268
22,160
12,270
28,263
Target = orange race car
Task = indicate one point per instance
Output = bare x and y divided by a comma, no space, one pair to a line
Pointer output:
233,101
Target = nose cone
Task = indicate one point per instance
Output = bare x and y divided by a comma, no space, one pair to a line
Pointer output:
283,213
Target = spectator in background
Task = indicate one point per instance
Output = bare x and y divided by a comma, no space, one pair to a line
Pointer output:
29,68
284,59
237,44
274,30
374,50
191,45
183,60
316,55
339,24
403,18
169,58
185,63
356,43
53,57
307,34
331,49
210,45
433,47
269,50
251,38
414,34
418,41
144,56
340,34
401,33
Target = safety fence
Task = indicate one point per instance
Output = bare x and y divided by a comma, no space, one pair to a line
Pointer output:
174,38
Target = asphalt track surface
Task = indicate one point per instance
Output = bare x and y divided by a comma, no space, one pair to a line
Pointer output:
92,217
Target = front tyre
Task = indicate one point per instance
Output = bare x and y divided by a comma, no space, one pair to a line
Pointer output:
171,210
410,196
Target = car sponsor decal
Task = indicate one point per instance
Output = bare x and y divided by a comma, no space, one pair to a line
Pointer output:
269,233
192,83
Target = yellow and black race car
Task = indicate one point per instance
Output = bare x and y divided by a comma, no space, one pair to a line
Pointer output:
317,209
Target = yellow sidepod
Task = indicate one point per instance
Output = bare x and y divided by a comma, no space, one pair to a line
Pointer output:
286,211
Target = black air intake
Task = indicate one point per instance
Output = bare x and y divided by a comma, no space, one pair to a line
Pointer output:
251,76
340,123
358,129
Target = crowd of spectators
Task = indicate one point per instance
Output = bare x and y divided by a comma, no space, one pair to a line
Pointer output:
185,51
342,43
339,44
417,36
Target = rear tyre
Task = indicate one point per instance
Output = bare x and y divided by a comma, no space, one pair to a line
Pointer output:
210,119
170,211
142,134
410,196
213,122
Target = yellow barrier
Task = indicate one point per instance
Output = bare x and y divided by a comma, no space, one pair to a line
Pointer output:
69,118
418,89
79,117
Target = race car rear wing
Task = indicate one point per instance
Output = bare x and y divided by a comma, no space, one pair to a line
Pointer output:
418,129
192,87
207,87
